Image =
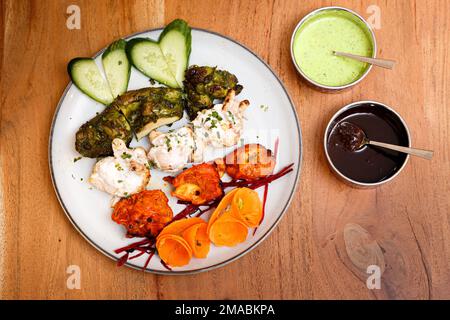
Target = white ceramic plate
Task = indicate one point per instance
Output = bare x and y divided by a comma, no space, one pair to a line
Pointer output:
271,114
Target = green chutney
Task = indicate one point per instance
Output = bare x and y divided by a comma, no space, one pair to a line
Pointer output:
328,31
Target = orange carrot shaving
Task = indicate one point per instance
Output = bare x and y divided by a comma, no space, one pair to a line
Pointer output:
224,206
246,207
238,210
228,231
177,227
198,239
174,250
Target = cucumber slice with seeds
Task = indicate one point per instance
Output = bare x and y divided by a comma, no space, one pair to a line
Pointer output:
175,44
87,77
147,57
117,67
166,60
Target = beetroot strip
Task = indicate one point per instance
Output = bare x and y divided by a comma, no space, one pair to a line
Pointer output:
269,178
137,255
266,191
232,183
210,206
264,181
123,259
142,249
133,245
148,260
190,209
165,265
145,249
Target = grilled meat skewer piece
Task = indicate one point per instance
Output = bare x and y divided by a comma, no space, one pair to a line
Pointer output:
204,84
94,138
149,108
138,111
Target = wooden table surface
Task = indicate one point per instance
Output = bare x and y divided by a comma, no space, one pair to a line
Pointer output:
331,233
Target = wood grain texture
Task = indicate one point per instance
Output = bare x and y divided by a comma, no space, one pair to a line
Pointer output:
331,232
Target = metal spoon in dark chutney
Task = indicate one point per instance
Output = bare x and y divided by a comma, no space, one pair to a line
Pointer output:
354,138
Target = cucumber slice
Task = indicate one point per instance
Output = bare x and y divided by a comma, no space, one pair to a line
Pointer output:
175,44
87,77
117,67
147,57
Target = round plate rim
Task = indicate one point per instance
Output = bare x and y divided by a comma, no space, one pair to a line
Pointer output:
217,265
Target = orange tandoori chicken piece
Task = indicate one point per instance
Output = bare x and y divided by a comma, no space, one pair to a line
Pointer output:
197,185
143,214
249,162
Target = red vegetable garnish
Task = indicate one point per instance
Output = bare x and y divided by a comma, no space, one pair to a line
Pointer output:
148,259
266,190
165,265
122,260
134,246
259,182
137,255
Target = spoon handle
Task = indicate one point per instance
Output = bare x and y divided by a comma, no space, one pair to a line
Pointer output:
427,154
388,64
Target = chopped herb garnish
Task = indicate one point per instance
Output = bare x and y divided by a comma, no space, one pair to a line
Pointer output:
150,164
240,203
119,181
216,115
264,107
231,115
118,167
169,147
76,159
126,155
213,124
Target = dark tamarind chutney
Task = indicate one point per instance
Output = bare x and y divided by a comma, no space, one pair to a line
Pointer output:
369,164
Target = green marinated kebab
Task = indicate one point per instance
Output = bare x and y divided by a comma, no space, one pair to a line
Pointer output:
205,84
138,111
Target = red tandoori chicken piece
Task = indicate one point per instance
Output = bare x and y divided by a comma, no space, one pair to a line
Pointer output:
198,185
143,214
249,162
